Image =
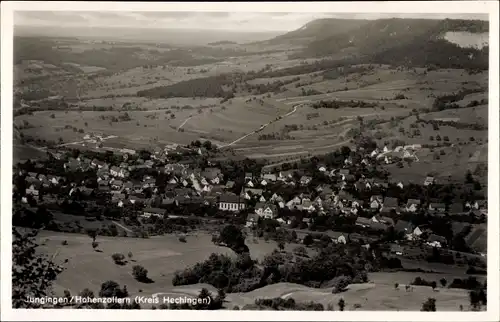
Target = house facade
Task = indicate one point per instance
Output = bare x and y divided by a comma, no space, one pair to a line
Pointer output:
231,202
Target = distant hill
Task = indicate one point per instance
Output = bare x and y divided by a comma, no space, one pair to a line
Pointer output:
222,42
317,30
379,35
410,42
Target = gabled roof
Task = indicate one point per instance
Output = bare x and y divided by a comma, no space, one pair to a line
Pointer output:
230,198
390,202
404,226
154,210
344,171
456,207
387,220
252,217
397,248
254,191
413,202
434,238
378,226
477,239
363,221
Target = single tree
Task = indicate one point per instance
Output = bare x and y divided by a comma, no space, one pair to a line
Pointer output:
308,240
429,305
341,304
443,282
140,273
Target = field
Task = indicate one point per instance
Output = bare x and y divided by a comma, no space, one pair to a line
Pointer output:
276,124
164,255
161,256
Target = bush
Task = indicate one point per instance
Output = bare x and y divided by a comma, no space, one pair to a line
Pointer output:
361,277
140,273
64,242
95,245
182,239
429,305
308,240
288,304
421,282
470,283
130,255
300,251
340,283
118,258
341,304
475,271
112,289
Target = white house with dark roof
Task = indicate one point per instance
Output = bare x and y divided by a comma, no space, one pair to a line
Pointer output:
437,207
153,212
265,210
412,205
252,220
429,180
231,202
118,172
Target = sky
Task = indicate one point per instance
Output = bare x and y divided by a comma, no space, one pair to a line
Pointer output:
235,21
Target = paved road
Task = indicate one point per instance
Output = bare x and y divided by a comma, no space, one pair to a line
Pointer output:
122,227
262,127
80,142
183,123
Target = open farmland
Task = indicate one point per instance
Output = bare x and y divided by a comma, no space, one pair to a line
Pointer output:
342,161
163,256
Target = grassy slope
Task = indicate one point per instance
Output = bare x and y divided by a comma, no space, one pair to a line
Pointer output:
162,256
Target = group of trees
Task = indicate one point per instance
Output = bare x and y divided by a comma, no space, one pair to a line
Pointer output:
199,87
243,275
445,102
341,104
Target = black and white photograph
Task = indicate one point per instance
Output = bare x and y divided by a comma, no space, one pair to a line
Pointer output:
222,158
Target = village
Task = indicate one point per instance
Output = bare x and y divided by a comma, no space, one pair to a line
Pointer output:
346,197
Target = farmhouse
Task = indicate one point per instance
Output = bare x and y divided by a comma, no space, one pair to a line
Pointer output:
403,227
456,208
118,172
305,180
397,250
428,181
437,207
266,210
376,201
412,205
248,193
269,177
363,222
436,241
33,189
231,202
390,203
252,220
153,212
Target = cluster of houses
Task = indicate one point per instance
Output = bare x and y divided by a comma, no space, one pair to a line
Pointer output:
194,186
